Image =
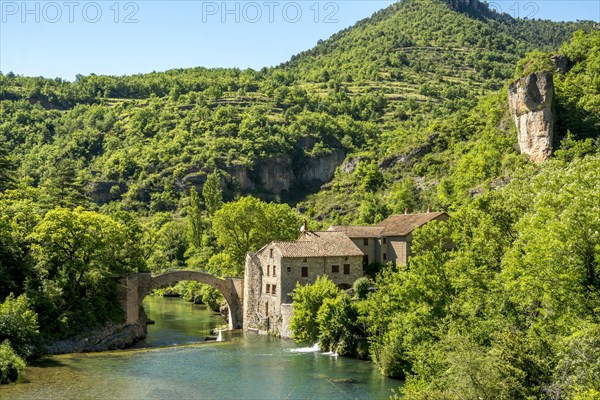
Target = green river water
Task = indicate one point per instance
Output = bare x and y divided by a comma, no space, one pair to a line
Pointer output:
174,362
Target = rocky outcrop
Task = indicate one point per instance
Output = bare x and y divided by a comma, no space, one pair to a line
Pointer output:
113,337
278,174
275,174
530,102
104,192
321,169
241,177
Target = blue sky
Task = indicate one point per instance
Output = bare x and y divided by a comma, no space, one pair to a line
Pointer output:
63,38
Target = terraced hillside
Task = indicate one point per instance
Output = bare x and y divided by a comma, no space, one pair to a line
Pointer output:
379,92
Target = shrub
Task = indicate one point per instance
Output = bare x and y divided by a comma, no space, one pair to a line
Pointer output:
11,364
361,287
307,301
19,324
340,329
211,297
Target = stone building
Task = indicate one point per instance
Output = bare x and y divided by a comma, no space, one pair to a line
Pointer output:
390,240
272,273
341,252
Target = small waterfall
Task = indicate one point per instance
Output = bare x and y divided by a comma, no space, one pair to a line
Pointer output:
219,335
312,349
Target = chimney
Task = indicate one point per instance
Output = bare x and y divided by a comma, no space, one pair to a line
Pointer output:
428,208
406,210
304,227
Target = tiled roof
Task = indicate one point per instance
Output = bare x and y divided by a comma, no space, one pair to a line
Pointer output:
403,224
395,225
319,244
358,231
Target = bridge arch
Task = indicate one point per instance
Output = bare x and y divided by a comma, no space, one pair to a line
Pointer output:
138,286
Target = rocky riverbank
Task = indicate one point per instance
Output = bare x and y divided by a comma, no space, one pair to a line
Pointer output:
111,337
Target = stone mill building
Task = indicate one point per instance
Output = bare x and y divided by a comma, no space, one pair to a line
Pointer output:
341,252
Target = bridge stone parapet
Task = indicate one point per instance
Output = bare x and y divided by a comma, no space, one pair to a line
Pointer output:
138,286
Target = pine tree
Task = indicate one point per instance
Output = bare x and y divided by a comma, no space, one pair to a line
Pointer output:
194,217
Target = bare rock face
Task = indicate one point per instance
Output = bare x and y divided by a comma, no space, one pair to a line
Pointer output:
530,102
275,173
321,169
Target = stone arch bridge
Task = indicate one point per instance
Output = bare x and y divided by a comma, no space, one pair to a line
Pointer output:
137,286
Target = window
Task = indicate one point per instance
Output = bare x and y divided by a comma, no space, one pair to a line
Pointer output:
384,240
304,260
384,256
335,269
365,242
304,272
268,270
345,258
346,269
268,288
289,269
271,253
274,289
266,309
274,270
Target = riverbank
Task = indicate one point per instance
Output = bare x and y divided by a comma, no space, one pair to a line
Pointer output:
111,337
114,337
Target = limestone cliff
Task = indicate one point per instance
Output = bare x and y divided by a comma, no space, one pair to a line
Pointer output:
274,175
321,169
530,102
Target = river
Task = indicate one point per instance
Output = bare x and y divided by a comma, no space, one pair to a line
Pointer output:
174,362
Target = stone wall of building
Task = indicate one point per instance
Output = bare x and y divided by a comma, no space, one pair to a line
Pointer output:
397,249
253,283
369,250
270,313
287,310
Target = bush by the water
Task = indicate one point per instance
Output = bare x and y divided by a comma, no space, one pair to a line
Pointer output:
18,324
11,364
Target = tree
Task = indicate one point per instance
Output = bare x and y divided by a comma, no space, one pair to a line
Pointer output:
62,182
7,168
249,223
212,193
361,287
77,256
307,301
370,175
340,328
195,219
404,196
18,324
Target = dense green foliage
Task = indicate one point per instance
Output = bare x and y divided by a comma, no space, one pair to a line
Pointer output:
380,89
500,302
18,334
106,176
18,324
308,300
248,224
11,364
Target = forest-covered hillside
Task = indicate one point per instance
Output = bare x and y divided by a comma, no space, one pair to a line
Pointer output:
109,175
376,90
